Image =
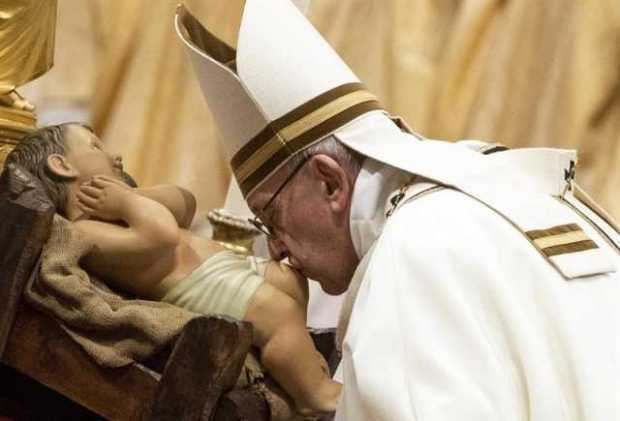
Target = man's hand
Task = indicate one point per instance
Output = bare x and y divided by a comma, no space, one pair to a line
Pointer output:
104,198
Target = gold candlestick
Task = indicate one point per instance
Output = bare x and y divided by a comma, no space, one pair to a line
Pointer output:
231,231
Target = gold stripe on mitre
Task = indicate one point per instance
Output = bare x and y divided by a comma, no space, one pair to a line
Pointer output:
297,130
561,239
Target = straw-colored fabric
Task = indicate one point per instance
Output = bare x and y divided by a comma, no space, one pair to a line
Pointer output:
113,330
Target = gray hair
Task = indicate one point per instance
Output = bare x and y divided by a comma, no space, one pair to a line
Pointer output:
351,160
31,153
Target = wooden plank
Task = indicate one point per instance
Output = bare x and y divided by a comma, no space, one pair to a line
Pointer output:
19,391
205,362
39,348
26,216
242,405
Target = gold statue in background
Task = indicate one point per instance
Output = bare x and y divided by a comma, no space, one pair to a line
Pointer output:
27,31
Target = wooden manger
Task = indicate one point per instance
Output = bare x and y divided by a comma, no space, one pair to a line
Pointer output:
192,379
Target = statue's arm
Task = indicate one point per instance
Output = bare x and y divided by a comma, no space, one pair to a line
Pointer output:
179,201
149,228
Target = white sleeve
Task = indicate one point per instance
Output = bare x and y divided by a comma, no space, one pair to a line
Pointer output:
416,348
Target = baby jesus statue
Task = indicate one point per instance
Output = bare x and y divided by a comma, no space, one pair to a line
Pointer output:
142,246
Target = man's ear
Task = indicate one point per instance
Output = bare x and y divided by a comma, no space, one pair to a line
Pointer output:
335,185
60,166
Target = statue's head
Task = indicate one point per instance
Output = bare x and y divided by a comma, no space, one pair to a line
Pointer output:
63,154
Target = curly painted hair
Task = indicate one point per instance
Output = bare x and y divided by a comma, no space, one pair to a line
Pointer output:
32,152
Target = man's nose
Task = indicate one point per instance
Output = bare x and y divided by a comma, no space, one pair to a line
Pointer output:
277,249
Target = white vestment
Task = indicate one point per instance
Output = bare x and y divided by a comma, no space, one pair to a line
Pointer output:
454,315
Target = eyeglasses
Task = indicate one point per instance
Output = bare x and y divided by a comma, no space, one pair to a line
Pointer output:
258,224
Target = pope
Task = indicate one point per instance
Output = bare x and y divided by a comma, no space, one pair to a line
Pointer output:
482,283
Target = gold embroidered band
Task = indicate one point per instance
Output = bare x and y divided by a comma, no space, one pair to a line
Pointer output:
562,239
298,129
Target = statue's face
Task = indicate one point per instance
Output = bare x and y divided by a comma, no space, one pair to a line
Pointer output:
86,153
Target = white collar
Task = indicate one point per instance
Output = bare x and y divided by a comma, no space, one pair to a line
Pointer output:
374,184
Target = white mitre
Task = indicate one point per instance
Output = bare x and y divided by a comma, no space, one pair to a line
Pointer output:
281,91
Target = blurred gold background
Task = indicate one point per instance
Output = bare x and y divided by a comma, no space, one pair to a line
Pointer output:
519,72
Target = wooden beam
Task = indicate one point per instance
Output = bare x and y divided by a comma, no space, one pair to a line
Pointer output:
206,361
25,222
40,349
242,405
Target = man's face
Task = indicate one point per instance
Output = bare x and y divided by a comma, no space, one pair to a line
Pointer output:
86,153
309,229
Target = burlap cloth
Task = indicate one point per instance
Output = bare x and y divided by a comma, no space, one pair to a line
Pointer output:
115,330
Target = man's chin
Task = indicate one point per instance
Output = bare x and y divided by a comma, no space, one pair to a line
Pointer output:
333,288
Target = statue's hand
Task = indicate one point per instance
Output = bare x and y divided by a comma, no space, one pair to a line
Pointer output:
104,199
116,181
14,100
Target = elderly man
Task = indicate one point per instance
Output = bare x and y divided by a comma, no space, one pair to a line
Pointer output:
481,283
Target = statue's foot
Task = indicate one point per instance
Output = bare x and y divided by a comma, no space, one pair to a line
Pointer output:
15,100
